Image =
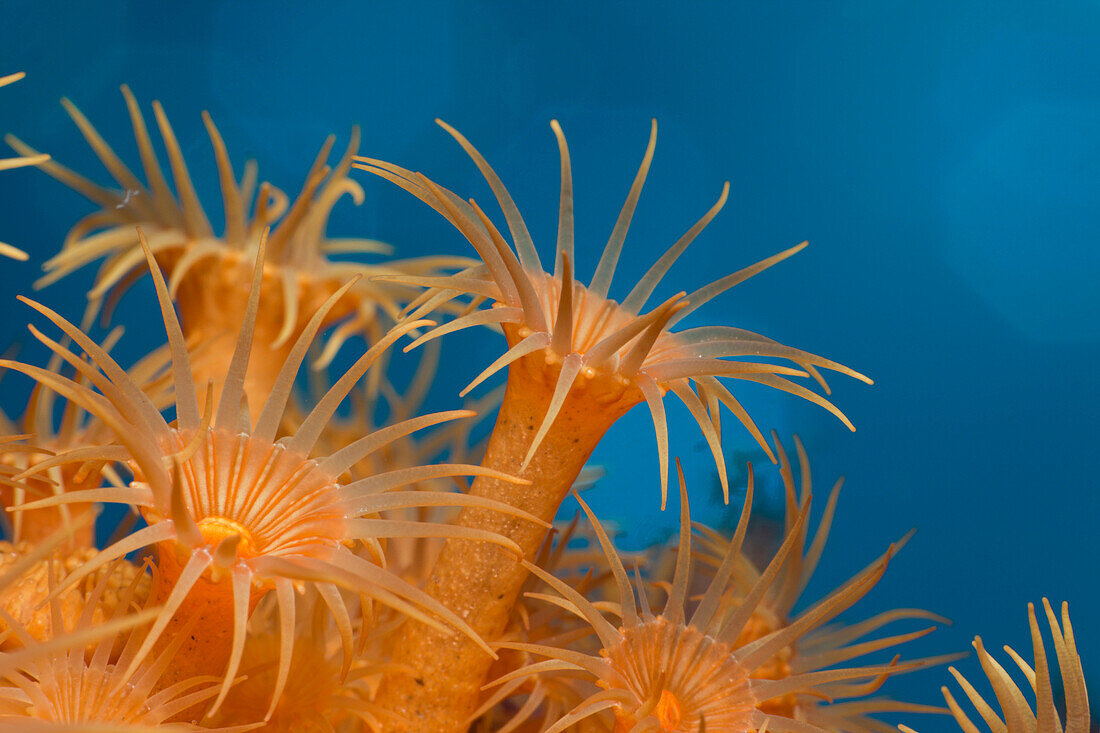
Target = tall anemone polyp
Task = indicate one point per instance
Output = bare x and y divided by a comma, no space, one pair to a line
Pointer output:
577,342
684,669
577,361
234,513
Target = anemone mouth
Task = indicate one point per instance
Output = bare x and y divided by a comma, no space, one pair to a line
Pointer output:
276,502
217,529
681,677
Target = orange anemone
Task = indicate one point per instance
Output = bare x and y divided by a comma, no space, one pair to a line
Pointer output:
300,272
686,669
592,351
233,512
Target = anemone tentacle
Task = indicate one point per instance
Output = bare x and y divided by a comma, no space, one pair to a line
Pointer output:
7,250
1017,714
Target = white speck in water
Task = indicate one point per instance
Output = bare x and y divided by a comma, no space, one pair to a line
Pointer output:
130,193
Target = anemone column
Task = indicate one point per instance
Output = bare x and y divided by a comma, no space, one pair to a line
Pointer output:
475,579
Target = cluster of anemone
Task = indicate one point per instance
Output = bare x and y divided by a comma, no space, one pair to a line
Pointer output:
304,548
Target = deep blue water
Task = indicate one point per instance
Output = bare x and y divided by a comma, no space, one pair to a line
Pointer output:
943,160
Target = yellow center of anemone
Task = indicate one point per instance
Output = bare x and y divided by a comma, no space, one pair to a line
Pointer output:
216,529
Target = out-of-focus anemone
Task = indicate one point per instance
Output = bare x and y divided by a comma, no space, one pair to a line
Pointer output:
204,269
77,688
599,354
1017,715
7,250
824,647
320,695
23,598
233,513
673,671
25,653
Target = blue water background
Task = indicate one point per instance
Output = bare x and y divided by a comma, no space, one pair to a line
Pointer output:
942,158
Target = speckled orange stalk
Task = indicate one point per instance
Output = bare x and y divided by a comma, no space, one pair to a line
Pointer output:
476,580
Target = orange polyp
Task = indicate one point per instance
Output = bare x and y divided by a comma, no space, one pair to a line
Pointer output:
684,674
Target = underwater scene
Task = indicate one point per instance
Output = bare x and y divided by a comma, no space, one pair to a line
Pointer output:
649,367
